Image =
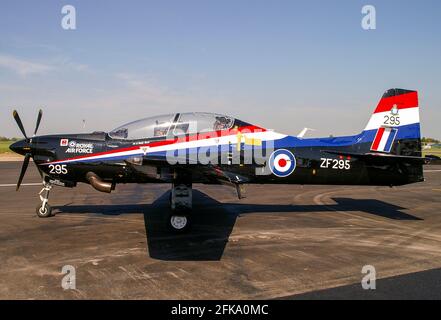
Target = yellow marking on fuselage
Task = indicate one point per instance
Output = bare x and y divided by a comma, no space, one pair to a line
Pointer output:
253,141
239,140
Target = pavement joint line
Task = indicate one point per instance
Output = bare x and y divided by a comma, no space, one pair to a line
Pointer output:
23,184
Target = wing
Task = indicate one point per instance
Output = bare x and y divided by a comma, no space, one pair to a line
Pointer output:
158,168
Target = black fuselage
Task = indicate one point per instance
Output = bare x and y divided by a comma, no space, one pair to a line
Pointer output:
314,165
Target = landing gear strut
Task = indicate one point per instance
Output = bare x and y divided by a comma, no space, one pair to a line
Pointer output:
44,210
180,203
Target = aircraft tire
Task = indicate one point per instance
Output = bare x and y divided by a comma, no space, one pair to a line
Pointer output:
45,212
178,222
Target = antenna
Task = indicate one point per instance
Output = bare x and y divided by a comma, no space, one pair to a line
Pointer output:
303,132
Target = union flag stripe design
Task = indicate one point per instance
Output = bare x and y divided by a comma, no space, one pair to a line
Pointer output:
384,139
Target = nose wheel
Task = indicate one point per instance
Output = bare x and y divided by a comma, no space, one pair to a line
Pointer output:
178,222
44,210
180,203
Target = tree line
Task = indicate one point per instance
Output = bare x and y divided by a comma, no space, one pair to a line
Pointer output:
8,139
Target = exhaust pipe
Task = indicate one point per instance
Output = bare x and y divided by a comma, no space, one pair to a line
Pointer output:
99,184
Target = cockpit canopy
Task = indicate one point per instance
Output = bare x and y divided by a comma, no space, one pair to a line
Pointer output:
176,124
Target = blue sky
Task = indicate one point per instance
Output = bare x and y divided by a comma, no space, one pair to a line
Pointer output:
280,64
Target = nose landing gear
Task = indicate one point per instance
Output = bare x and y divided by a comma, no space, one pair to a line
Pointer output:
44,210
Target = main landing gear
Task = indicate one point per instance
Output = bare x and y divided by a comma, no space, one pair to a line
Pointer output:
181,203
44,210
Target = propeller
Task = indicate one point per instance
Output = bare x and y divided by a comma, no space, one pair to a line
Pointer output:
40,114
19,123
27,146
24,167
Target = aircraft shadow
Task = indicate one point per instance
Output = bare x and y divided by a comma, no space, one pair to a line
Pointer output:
371,206
213,222
207,239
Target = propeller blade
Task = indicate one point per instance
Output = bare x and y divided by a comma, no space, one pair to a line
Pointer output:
40,114
19,123
23,169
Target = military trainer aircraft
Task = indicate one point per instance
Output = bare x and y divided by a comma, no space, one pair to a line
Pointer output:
187,148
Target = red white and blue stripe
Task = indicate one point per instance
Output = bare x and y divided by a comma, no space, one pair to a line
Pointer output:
160,148
384,139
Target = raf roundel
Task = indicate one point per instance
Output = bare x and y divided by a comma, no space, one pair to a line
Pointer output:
282,163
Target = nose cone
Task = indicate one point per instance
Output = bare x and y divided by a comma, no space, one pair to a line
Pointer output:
20,147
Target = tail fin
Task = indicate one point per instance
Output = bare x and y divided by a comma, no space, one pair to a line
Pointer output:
394,127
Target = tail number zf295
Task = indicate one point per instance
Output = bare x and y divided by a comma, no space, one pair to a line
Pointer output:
336,164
